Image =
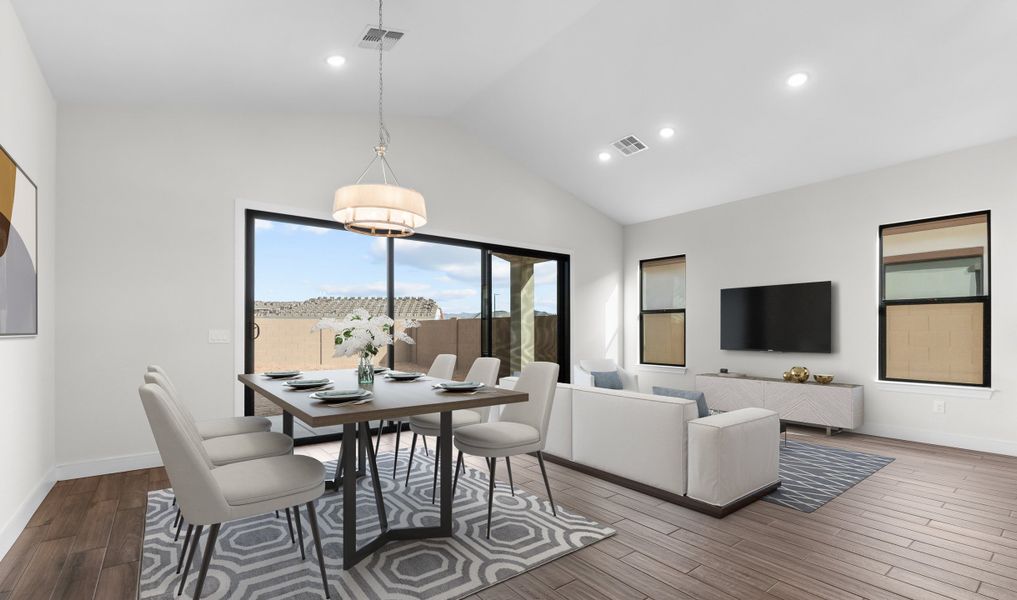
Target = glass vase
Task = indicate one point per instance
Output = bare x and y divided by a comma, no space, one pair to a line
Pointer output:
365,370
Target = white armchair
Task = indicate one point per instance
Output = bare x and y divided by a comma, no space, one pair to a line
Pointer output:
583,373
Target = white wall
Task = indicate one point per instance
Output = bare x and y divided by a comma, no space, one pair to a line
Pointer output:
146,244
28,132
829,231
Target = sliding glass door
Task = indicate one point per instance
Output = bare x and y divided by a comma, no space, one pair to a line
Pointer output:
524,310
448,279
471,299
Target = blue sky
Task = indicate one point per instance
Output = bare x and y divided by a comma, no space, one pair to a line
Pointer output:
296,262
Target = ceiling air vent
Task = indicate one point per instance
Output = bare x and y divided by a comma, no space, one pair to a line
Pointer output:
372,35
629,145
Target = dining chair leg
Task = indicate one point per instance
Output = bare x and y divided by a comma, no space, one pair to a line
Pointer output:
437,453
409,464
455,479
176,518
379,500
377,442
426,453
183,549
277,514
289,523
213,533
300,531
312,516
512,486
180,523
543,471
395,458
491,464
190,559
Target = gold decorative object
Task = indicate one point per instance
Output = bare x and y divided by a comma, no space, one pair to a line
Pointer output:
787,375
824,379
799,374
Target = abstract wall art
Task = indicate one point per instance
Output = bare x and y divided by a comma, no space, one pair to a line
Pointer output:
19,311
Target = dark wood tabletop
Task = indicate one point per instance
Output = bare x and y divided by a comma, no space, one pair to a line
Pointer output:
392,399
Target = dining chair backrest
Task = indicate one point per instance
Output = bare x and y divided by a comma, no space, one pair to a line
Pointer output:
443,367
200,499
484,370
154,377
171,388
157,369
539,380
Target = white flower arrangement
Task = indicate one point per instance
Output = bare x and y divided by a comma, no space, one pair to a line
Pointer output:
359,333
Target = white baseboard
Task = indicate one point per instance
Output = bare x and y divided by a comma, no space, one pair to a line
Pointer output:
104,466
939,438
17,523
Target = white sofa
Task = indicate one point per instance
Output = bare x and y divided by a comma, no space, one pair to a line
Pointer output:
643,441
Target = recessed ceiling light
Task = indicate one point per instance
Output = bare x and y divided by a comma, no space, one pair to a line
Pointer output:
797,80
604,156
667,132
335,61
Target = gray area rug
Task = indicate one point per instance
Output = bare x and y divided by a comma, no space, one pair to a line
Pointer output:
255,559
812,475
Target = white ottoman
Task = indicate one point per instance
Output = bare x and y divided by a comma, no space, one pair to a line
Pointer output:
732,455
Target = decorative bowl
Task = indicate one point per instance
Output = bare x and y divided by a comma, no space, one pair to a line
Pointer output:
824,379
799,374
787,375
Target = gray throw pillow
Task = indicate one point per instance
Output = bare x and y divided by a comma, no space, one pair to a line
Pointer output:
699,397
609,380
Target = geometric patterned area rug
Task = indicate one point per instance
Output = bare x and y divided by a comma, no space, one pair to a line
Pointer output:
812,475
254,557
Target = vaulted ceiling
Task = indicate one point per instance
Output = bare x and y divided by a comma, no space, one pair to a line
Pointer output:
553,83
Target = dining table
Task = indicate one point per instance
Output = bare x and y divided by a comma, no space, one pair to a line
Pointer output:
391,400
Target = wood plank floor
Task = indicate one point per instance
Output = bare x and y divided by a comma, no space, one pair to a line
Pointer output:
937,523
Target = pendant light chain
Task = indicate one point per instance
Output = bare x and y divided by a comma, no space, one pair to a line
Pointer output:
383,135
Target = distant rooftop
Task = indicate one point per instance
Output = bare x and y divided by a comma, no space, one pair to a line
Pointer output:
339,307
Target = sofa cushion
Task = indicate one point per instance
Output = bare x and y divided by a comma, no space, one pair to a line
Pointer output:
699,397
609,380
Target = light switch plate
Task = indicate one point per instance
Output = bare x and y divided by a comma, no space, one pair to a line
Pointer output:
219,336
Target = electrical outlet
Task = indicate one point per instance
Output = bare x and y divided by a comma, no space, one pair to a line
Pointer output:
939,406
219,336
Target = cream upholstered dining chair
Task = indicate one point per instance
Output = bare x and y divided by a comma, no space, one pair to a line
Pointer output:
442,367
214,428
225,449
484,370
520,429
211,496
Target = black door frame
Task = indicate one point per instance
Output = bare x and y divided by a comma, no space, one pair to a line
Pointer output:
487,251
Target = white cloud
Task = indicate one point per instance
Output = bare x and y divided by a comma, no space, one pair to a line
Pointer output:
293,227
262,225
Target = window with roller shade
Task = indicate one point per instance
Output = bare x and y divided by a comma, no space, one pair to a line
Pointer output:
934,314
662,311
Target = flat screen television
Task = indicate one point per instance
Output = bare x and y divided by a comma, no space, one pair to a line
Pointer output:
778,318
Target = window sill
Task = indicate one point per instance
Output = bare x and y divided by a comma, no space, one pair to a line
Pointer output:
663,369
935,389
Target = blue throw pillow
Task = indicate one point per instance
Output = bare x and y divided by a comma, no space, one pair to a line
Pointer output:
609,380
699,397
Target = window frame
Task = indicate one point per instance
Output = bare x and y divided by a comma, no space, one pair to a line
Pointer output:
662,311
563,264
985,299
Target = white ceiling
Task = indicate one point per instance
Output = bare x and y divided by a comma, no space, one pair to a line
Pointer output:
269,54
552,83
